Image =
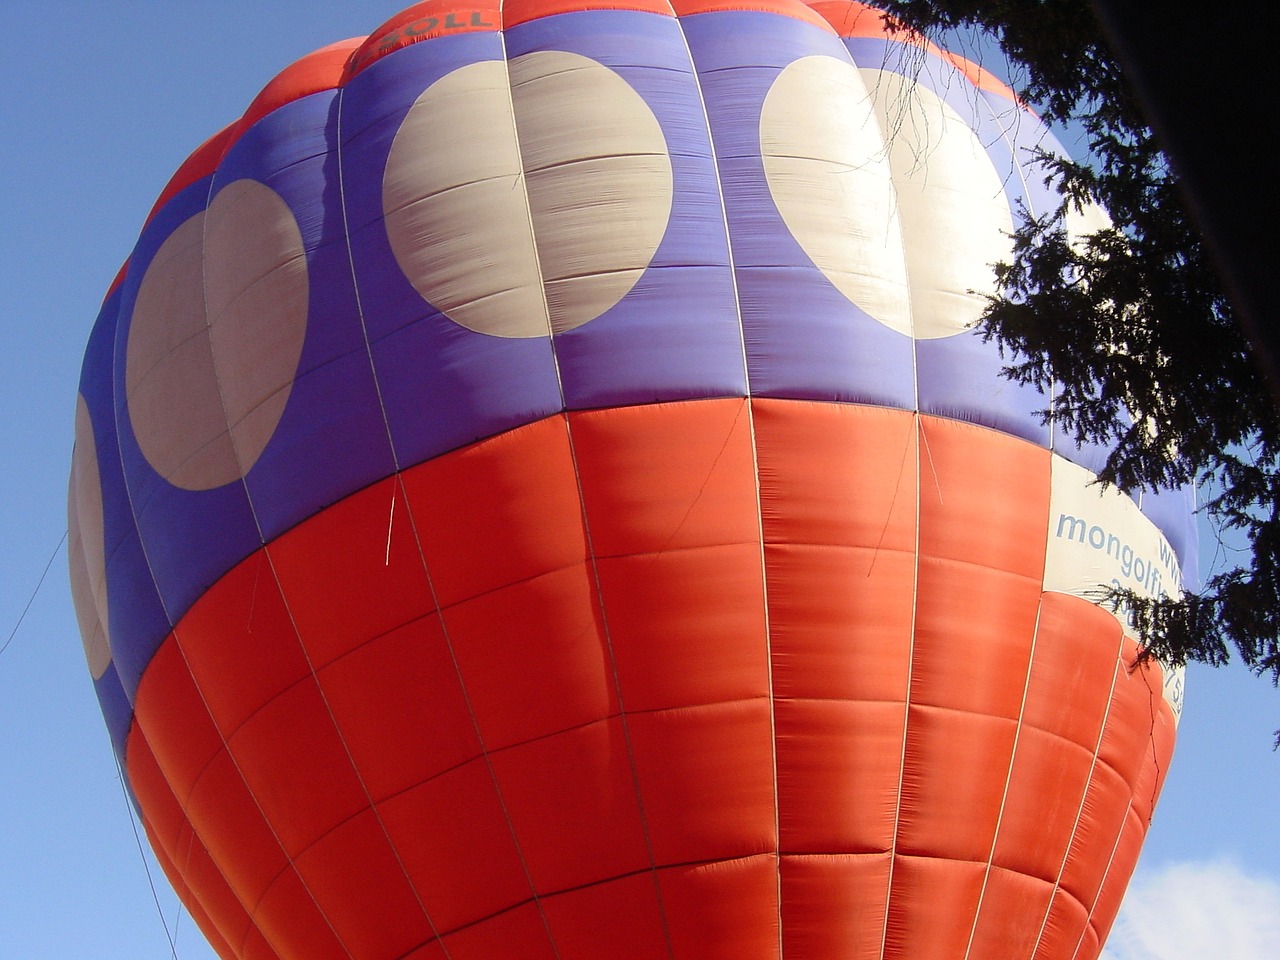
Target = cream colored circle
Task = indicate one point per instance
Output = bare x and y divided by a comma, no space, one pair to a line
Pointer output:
888,191
215,339
527,198
86,545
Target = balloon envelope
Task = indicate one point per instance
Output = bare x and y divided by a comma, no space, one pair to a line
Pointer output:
538,493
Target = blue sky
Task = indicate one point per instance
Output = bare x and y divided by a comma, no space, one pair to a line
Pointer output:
102,105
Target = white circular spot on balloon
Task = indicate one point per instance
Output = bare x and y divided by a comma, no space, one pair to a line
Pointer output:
86,546
455,208
888,191
257,295
599,180
530,201
215,338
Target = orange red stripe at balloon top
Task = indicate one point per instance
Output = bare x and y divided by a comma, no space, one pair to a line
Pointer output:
538,494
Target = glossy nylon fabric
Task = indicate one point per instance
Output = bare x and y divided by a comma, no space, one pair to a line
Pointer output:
547,546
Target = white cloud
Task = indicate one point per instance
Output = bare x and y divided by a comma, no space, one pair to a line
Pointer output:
1193,911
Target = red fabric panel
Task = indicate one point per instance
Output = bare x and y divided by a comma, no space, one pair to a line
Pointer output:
1046,788
706,780
931,907
687,627
417,726
521,11
199,883
1010,916
498,512
290,920
853,19
171,715
840,547
428,951
1090,946
838,768
422,21
1062,928
291,749
1156,761
354,875
670,498
619,920
984,497
863,495
974,626
228,821
1122,864
834,905
255,947
727,910
1106,804
786,8
522,673
360,591
1073,669
1129,739
954,762
840,621
242,619
667,476
519,934
534,657
454,840
572,803
199,874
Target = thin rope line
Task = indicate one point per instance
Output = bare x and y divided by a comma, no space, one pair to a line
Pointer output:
32,599
142,855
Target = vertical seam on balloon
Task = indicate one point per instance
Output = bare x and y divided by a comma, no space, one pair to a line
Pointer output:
1097,895
918,422
522,179
173,628
915,576
1008,777
1084,794
1089,921
588,539
755,465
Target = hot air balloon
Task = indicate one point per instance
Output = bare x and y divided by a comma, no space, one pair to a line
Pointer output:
539,493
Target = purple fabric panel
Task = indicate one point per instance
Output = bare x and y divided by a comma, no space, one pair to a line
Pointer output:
960,377
441,385
117,711
189,538
803,338
331,439
675,334
137,620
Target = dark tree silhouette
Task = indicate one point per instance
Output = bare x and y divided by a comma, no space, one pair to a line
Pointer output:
1134,326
